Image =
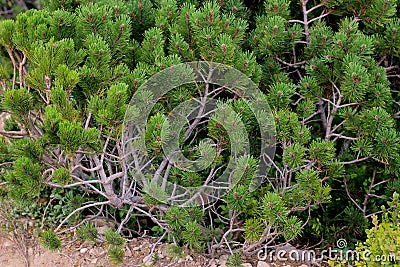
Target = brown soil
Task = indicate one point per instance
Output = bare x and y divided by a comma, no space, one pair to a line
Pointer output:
77,254
85,254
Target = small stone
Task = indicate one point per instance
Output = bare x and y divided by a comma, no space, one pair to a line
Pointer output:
94,261
222,260
247,265
223,257
128,253
189,258
137,248
147,260
161,254
83,250
262,264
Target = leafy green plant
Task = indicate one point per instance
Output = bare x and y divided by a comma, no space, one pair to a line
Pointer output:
177,252
186,227
234,260
50,240
116,244
116,255
87,231
382,246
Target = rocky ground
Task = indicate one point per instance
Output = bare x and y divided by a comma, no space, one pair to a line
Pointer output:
82,254
20,246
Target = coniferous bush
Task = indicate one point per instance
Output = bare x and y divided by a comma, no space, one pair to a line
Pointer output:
327,69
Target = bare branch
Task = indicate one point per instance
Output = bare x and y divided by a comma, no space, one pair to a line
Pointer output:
79,209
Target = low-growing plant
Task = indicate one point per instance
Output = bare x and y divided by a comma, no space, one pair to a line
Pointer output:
113,240
87,231
177,252
234,260
116,246
382,246
50,240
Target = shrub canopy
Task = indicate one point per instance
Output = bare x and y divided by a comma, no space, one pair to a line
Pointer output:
327,69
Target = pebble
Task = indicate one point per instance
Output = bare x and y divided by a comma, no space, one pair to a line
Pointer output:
247,265
137,248
262,264
147,260
223,257
128,252
189,258
83,250
162,254
222,260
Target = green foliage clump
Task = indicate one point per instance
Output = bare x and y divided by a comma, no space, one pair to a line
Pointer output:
383,239
116,245
234,260
329,72
87,231
50,240
186,227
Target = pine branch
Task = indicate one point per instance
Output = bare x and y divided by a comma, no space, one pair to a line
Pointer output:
355,160
121,30
305,20
22,71
79,209
55,185
10,54
295,64
315,7
342,136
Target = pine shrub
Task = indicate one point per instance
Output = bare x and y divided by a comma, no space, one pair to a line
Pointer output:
329,71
